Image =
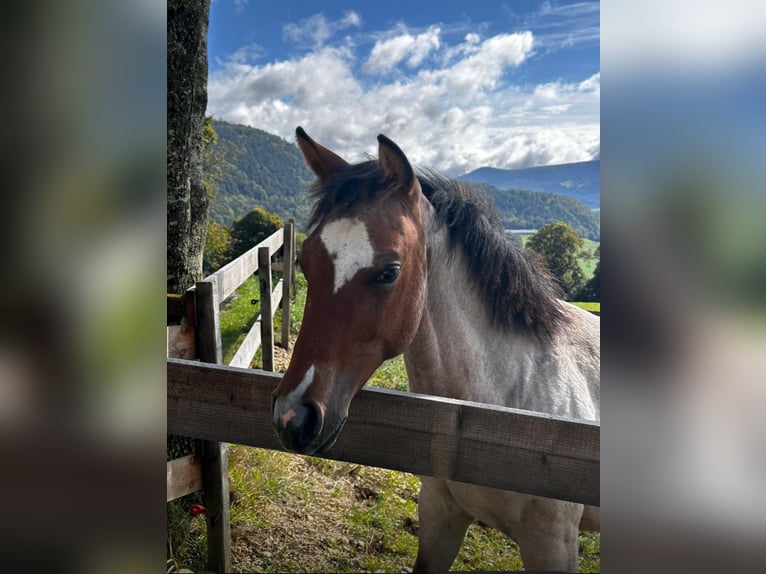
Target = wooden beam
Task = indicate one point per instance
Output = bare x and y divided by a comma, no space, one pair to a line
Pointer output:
287,272
180,342
246,351
208,322
229,277
215,470
469,442
184,476
267,313
215,480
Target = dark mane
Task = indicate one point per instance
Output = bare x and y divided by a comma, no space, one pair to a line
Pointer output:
519,292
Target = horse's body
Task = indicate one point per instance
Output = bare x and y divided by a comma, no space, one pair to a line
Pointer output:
417,265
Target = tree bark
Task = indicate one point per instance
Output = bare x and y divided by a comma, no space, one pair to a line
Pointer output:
187,201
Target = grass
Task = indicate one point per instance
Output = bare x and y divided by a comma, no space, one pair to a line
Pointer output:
239,312
293,513
594,307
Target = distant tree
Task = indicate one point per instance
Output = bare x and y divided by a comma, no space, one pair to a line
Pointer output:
560,246
592,289
251,229
217,247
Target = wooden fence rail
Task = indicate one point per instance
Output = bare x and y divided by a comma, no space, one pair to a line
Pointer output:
469,442
233,274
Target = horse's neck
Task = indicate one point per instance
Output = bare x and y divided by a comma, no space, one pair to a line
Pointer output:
458,353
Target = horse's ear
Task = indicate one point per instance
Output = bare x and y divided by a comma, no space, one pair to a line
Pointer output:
321,160
394,163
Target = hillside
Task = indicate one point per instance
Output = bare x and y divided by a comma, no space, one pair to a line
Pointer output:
581,181
264,170
521,209
260,170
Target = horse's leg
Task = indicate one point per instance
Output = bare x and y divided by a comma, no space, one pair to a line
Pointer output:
547,535
441,527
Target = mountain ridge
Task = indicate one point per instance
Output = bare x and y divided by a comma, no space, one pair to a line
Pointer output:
579,180
259,169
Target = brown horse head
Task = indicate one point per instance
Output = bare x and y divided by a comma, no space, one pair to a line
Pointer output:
365,264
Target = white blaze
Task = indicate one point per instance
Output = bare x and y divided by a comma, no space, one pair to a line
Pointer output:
348,244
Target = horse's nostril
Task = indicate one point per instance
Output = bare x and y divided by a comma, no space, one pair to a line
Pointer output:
299,427
312,424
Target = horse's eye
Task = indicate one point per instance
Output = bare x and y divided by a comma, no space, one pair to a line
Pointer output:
388,275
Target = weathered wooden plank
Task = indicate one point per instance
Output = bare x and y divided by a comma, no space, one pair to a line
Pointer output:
469,442
246,351
215,479
180,342
233,274
243,358
208,322
276,296
267,314
184,476
289,257
215,470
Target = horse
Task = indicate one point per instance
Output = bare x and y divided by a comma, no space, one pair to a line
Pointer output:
399,262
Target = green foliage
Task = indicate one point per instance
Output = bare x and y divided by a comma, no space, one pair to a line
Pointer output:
261,169
390,375
560,247
591,291
250,230
217,247
521,209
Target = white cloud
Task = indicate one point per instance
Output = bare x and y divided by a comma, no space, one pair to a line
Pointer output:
455,116
319,29
247,53
350,18
485,67
387,54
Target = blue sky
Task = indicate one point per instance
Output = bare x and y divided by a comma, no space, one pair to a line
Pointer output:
458,85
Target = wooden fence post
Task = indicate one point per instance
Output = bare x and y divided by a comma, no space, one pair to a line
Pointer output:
215,466
267,320
288,262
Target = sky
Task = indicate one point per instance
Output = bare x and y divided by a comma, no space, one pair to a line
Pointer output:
457,85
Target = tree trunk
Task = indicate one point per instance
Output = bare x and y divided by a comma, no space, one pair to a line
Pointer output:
187,202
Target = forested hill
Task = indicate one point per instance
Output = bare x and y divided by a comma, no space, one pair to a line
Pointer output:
259,170
263,170
581,180
521,209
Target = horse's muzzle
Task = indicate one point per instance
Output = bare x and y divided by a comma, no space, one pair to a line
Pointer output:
299,427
